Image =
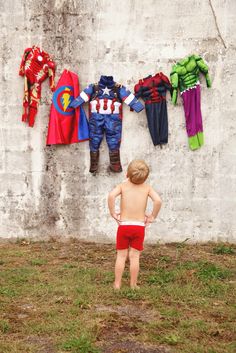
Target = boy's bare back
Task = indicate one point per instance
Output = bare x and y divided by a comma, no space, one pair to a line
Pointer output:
134,195
133,201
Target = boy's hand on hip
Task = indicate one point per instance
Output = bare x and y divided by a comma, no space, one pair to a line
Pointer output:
116,216
149,219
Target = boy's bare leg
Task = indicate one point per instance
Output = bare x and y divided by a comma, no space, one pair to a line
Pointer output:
120,266
134,267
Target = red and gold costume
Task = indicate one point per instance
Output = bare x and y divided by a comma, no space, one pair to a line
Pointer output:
36,66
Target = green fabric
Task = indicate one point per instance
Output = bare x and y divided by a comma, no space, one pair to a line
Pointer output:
196,141
185,74
200,137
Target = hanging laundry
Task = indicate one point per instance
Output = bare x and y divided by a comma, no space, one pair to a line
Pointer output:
36,66
153,89
66,124
185,77
105,117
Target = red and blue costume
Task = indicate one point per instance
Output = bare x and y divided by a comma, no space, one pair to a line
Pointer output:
152,89
66,125
105,117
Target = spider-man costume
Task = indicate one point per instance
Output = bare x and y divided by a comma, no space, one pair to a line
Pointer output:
105,116
36,66
153,91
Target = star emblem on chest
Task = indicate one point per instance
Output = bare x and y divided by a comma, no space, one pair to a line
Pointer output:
106,91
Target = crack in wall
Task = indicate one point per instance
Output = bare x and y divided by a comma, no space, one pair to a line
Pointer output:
216,23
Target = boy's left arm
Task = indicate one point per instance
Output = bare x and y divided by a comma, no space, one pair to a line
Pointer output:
111,202
156,206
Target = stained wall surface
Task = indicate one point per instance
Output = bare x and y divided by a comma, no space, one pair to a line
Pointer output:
48,191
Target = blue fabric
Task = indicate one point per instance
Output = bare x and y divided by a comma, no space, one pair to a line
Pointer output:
76,102
136,105
83,131
106,81
107,89
109,124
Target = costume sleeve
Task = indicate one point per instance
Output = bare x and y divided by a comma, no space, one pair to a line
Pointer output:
129,99
22,65
203,68
51,74
167,83
83,97
174,81
138,90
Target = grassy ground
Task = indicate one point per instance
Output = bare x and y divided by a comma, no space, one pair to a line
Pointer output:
59,298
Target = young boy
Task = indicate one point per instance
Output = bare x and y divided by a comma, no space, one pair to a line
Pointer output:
132,218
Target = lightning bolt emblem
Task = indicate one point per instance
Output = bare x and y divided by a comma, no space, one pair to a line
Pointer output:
66,99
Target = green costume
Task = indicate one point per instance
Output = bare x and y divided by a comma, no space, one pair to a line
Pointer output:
185,77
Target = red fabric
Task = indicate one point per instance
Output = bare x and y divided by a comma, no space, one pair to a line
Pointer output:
148,87
130,236
105,104
63,129
36,65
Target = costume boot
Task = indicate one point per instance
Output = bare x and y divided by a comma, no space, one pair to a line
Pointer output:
94,156
115,165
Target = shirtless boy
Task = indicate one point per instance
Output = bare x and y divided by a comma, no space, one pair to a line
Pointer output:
132,219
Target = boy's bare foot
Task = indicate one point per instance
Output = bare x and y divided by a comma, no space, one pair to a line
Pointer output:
116,286
135,287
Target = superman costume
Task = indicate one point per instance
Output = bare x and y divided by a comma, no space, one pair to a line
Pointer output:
66,125
153,91
105,116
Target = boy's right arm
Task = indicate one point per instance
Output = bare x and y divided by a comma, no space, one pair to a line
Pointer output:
111,202
156,206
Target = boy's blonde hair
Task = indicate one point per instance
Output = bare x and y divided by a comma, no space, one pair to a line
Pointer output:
137,171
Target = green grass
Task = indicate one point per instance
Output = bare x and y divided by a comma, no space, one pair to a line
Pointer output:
80,345
186,300
4,326
38,262
222,249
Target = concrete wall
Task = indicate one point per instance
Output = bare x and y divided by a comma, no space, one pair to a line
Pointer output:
48,191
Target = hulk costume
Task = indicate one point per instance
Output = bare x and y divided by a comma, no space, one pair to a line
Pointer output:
185,77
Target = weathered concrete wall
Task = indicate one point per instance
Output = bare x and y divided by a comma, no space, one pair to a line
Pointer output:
48,191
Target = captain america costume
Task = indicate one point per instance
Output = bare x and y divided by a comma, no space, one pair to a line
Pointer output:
105,117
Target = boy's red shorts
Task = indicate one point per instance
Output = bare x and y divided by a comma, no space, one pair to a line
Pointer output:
130,235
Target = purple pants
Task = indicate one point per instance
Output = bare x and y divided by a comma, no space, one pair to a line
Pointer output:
192,109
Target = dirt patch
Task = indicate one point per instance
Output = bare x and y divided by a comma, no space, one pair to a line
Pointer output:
140,314
133,347
43,344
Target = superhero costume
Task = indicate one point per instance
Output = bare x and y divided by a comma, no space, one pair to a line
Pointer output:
153,91
36,66
185,76
105,116
66,125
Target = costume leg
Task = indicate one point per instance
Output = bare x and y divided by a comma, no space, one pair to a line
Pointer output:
199,125
96,131
94,158
35,95
153,122
25,100
163,117
189,102
113,128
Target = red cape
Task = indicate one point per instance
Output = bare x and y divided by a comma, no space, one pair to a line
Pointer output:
66,125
